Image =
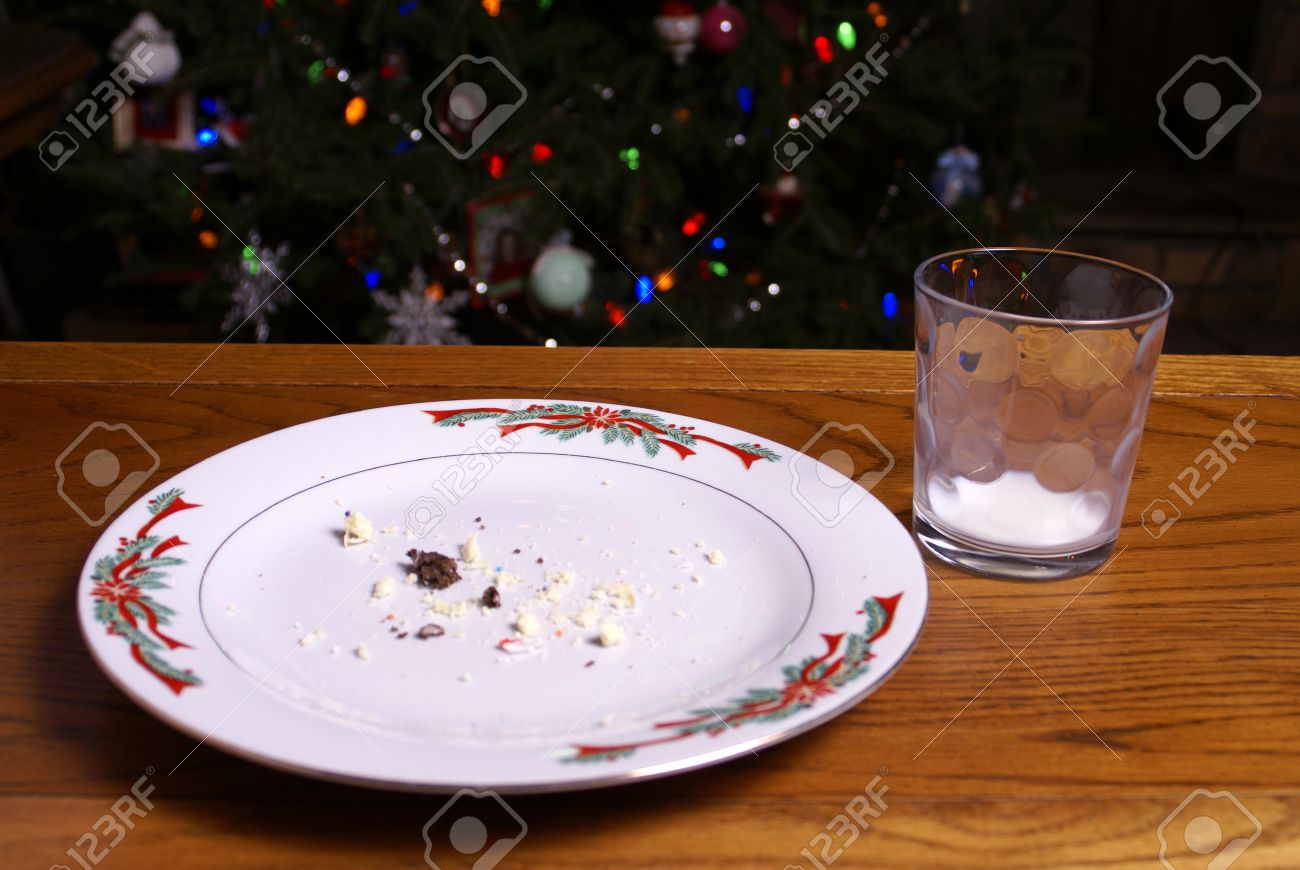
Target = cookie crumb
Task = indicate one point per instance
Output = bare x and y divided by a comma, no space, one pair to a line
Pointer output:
469,551
384,588
433,569
311,638
491,597
527,624
611,633
356,528
430,630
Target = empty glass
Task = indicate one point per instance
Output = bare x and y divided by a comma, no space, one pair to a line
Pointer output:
1034,371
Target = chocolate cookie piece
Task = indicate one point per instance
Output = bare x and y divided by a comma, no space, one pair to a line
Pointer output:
430,630
433,569
491,597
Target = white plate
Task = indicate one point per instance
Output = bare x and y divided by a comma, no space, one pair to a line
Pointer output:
196,600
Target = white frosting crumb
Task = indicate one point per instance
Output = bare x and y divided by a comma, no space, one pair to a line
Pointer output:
679,613
311,638
334,650
339,502
453,609
230,608
528,625
384,588
620,594
677,587
586,617
676,551
357,529
697,578
410,579
390,529
611,633
469,551
362,652
699,545
607,482
606,720
466,677
505,578
716,557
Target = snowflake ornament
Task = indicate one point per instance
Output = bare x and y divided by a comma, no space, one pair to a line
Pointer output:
418,315
258,291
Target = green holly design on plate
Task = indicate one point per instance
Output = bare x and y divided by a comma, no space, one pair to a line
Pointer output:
566,421
813,678
123,583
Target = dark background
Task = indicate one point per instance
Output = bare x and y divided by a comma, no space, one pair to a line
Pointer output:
1064,126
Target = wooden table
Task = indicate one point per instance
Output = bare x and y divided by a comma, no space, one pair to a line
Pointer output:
1177,668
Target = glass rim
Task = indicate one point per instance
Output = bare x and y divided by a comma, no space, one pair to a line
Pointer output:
1166,302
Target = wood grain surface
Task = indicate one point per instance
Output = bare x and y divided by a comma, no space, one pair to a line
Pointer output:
1035,725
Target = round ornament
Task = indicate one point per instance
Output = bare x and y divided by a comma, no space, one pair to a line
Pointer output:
561,277
722,27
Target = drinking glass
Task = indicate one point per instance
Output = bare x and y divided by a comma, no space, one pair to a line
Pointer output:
1033,376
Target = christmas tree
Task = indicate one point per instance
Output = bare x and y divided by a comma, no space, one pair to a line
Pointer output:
505,171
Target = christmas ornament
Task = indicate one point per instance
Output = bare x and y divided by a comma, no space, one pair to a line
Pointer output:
422,312
160,57
258,291
722,27
956,176
678,25
561,277
784,199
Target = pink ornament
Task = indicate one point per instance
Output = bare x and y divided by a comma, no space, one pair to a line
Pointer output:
722,27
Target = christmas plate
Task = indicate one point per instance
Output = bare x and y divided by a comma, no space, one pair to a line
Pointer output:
669,593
